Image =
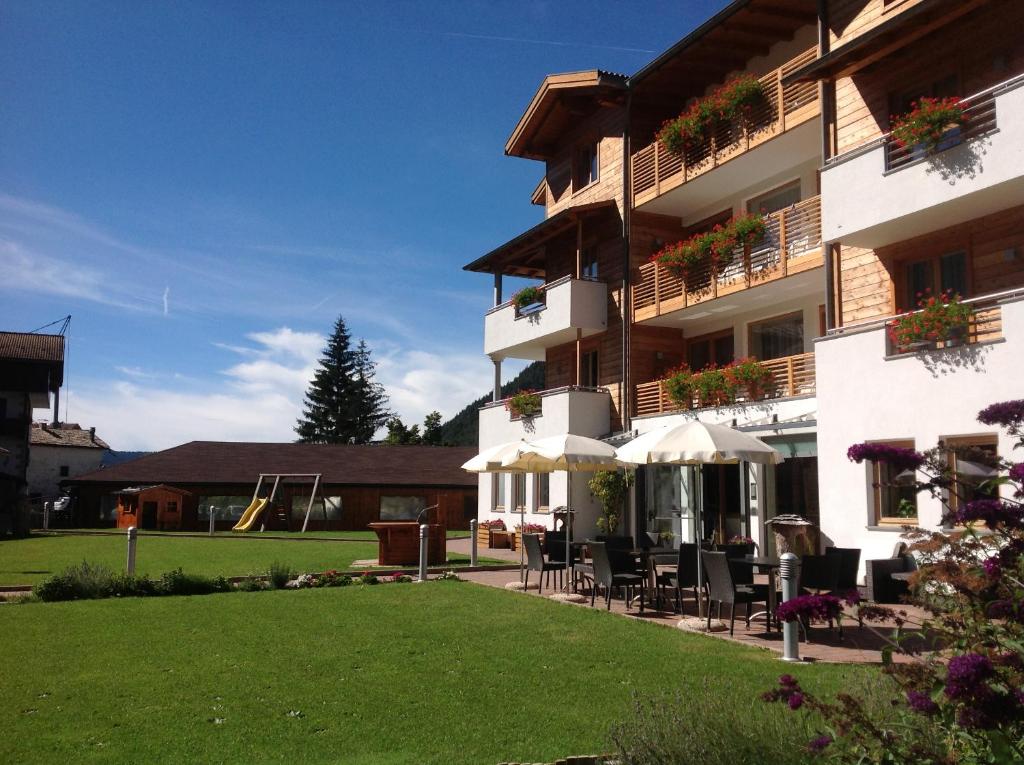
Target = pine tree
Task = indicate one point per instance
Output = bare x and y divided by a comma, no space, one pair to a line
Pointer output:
399,434
432,429
344,405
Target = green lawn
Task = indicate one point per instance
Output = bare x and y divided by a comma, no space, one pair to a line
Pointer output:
441,673
29,561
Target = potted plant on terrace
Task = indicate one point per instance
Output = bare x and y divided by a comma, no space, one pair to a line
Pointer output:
942,318
679,386
714,386
698,259
735,101
752,375
529,528
525,403
528,296
609,487
928,122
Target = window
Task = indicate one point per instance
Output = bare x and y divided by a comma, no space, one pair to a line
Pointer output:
942,87
498,492
519,486
64,470
945,273
171,507
589,369
300,504
588,263
541,492
778,337
224,508
587,166
717,349
775,200
972,461
895,495
401,508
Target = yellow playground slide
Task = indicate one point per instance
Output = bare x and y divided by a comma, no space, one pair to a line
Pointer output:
252,512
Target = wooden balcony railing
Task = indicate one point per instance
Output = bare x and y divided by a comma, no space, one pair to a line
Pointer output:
654,170
792,244
980,109
791,376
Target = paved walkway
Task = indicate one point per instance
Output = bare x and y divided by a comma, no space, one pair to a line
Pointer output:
858,644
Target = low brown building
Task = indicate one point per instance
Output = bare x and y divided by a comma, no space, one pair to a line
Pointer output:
358,485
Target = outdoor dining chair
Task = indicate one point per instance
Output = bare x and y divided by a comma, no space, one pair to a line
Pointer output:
683,577
608,578
820,575
723,590
535,562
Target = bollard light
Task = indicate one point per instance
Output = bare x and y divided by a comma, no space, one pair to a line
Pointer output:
133,537
472,544
424,529
789,572
213,520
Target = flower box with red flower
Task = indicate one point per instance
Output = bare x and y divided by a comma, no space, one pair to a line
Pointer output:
940,319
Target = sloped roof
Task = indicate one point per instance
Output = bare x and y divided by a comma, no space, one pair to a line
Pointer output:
28,346
64,434
225,462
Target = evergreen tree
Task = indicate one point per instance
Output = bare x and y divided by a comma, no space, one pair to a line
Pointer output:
399,434
432,429
344,405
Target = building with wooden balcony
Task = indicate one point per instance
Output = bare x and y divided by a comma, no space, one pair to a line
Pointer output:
904,220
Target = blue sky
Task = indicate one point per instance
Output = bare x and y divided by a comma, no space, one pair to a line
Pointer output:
205,186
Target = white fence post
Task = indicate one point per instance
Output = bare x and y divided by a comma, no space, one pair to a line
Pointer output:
788,572
133,538
424,530
472,543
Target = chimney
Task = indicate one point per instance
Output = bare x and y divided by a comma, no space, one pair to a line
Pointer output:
92,434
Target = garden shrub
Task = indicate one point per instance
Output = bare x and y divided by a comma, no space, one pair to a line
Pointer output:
83,581
279,574
177,582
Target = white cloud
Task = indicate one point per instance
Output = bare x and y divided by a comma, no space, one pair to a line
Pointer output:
259,398
167,300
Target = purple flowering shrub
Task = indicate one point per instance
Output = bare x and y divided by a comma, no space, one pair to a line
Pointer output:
962,700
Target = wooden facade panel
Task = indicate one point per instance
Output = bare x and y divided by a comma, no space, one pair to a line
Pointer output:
980,50
848,19
606,127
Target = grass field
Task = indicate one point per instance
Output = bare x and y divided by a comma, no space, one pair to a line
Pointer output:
29,561
442,673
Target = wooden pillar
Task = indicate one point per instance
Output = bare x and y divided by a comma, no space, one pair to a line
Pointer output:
497,289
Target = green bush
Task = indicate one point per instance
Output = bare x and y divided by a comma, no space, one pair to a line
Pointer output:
178,582
251,584
279,574
127,586
84,581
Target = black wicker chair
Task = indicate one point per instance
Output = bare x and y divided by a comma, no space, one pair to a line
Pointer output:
723,590
535,562
607,577
684,576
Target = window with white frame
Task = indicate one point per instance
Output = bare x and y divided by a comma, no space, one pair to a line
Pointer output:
498,492
542,492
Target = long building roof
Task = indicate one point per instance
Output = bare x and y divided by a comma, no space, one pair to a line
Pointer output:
227,462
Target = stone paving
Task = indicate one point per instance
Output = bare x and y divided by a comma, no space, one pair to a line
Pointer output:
857,645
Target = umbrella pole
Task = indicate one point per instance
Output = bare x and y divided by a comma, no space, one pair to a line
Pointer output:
568,527
522,531
699,533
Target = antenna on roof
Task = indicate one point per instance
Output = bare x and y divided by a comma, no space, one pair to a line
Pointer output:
64,323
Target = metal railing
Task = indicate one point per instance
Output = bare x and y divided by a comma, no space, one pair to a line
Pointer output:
791,376
790,234
784,107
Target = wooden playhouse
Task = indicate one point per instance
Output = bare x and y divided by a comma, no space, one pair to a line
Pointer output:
155,508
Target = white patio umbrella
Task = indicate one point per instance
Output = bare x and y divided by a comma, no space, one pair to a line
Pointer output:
567,453
490,461
697,443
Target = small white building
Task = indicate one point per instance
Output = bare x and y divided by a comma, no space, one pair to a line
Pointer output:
60,451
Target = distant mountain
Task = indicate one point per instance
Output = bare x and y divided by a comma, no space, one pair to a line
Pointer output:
464,428
111,457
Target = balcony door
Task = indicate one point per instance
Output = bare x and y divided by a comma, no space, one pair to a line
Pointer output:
717,348
777,199
778,337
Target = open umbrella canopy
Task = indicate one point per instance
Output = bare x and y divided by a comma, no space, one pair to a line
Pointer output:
490,459
697,443
565,452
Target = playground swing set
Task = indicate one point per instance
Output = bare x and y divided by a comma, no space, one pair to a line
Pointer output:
261,506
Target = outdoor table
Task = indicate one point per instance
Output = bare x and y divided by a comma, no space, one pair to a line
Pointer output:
647,556
770,565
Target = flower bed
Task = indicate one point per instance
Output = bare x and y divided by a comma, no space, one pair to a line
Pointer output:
718,386
698,259
928,122
942,319
525,403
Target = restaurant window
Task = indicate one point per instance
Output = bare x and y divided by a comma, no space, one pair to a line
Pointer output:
300,505
895,492
541,492
589,369
587,165
498,492
775,200
778,337
937,275
224,508
972,462
401,508
717,349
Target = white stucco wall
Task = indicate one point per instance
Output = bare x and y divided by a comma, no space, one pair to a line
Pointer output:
570,305
862,206
44,464
863,396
